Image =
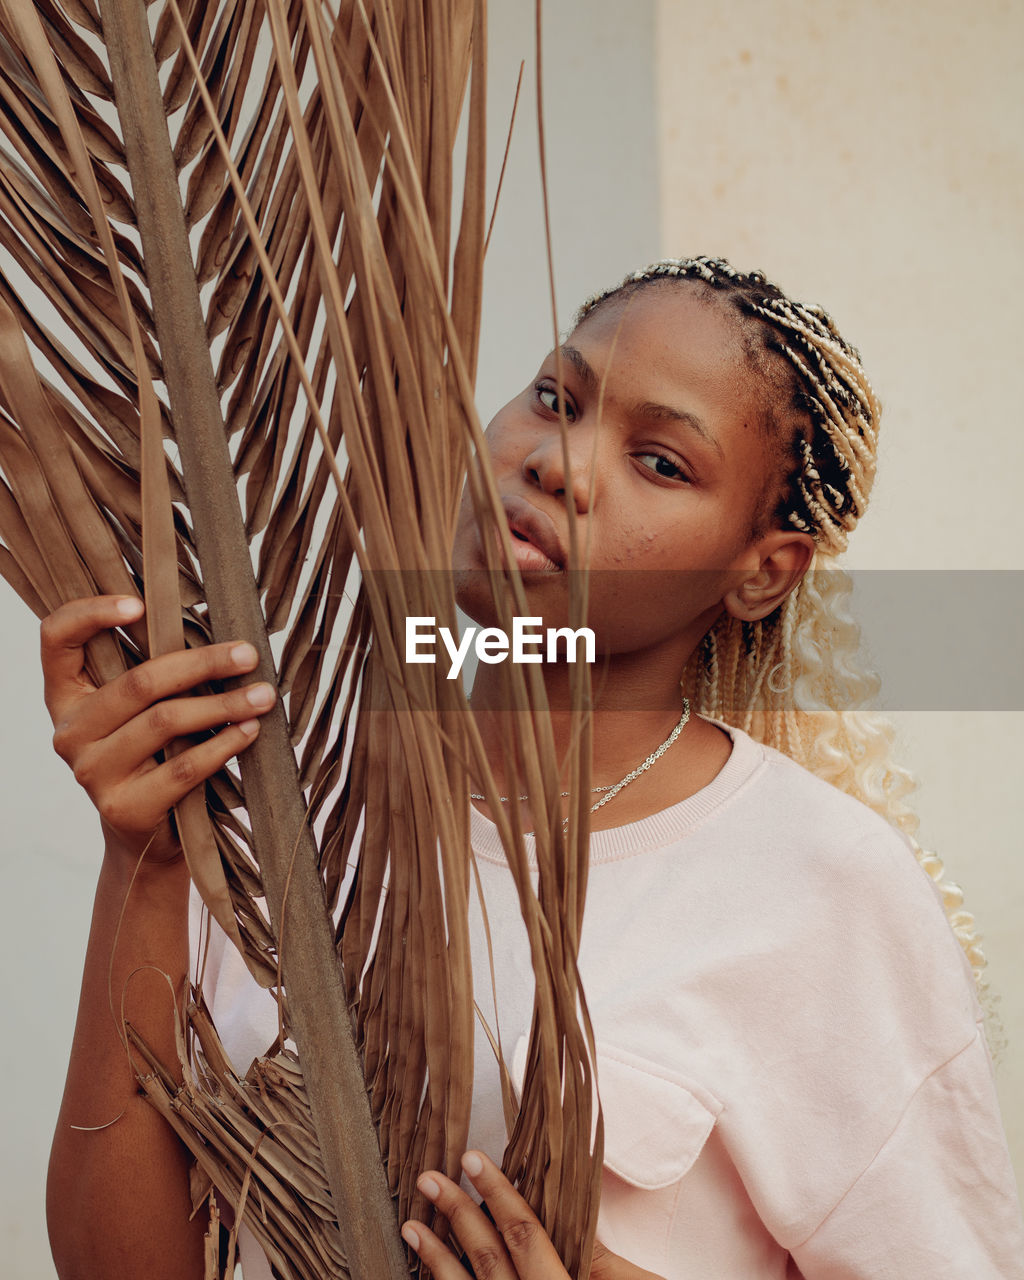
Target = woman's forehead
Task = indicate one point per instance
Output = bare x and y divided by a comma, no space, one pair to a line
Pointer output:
689,306
663,337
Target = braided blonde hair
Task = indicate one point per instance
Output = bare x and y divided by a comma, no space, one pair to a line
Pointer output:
794,680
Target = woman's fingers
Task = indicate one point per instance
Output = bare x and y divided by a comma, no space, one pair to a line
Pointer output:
62,639
117,703
131,747
110,735
140,803
482,1244
528,1244
439,1259
514,1247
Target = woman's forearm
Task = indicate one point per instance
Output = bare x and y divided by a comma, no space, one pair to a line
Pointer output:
118,1200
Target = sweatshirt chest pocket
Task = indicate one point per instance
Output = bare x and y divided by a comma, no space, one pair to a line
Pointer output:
656,1124
655,1121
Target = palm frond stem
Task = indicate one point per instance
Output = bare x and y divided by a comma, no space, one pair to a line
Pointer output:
319,1012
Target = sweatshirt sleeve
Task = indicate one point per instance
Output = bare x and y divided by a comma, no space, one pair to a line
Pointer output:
943,1177
859,1104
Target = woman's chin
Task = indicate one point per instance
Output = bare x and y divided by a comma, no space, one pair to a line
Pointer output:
473,596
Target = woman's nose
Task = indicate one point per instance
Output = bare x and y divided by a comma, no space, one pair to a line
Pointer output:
548,467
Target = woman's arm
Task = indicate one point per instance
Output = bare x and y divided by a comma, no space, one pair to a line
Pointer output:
117,1198
118,1190
938,1200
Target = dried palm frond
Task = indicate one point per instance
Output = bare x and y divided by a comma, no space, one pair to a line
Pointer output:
255,403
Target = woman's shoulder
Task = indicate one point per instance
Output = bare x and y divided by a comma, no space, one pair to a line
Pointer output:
764,820
794,837
807,811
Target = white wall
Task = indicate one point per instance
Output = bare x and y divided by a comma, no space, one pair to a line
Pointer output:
602,168
870,157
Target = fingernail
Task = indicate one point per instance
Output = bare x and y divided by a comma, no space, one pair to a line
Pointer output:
244,655
250,728
429,1187
472,1164
260,695
129,607
411,1237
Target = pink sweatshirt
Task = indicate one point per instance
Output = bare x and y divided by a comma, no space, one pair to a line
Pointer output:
791,1064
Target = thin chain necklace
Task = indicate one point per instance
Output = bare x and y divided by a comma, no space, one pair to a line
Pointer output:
612,789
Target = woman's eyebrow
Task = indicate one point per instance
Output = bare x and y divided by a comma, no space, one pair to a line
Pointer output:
666,413
649,409
582,366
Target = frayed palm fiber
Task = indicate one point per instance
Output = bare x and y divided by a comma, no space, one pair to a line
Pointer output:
255,404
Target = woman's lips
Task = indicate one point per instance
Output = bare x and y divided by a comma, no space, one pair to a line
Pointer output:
535,542
528,557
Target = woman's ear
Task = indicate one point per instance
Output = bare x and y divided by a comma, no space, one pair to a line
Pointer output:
784,557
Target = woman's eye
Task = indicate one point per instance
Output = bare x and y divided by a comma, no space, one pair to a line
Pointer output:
548,397
661,465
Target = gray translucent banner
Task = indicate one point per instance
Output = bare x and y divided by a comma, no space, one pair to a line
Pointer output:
943,640
940,640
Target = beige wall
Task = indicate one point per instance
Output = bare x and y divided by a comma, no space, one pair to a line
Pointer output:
870,157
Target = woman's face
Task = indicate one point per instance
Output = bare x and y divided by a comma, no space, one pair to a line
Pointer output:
667,471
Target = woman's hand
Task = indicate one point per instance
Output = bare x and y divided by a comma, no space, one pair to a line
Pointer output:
514,1247
110,735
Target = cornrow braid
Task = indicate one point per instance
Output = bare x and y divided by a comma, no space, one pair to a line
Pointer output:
796,679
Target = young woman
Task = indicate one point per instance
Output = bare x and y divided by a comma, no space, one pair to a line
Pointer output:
792,1067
